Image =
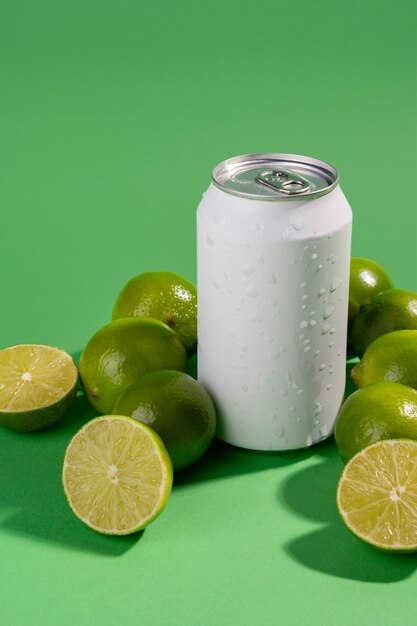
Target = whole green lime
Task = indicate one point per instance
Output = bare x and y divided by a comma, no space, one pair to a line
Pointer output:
391,357
383,410
394,309
164,296
121,352
366,280
177,407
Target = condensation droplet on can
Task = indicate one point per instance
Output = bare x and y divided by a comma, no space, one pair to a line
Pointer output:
328,311
247,270
303,324
252,291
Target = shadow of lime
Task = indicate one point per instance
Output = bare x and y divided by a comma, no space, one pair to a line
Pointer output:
332,549
31,489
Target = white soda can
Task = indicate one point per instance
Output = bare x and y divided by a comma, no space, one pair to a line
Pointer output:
274,234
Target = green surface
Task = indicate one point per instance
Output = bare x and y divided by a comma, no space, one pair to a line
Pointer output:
112,116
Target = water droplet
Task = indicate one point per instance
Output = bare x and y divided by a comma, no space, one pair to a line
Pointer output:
292,409
303,324
322,291
300,391
312,323
316,423
335,283
280,431
304,297
247,270
243,387
318,408
339,353
297,223
317,352
270,277
324,430
302,285
331,343
274,353
301,337
231,332
234,366
304,307
312,313
283,392
306,341
215,283
238,307
314,256
293,261
328,311
309,440
210,241
251,291
329,387
331,371
244,347
325,328
322,367
269,339
256,317
287,376
260,258
320,267
332,331
307,348
272,302
335,259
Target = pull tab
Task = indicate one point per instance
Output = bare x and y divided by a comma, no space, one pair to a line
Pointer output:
284,181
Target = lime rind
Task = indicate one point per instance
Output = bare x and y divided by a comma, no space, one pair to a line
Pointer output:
165,485
382,482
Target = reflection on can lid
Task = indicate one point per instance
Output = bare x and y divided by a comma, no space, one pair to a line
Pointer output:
275,176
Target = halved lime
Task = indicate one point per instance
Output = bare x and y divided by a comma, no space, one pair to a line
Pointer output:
117,475
377,495
37,385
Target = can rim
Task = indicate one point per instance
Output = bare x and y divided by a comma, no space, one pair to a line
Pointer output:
326,168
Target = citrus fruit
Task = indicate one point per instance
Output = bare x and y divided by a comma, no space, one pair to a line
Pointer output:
366,280
164,296
377,495
178,408
394,309
37,386
390,357
122,351
383,410
117,475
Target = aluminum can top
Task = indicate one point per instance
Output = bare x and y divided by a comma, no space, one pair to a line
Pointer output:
275,177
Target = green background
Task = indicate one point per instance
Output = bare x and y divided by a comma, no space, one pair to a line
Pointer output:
112,116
